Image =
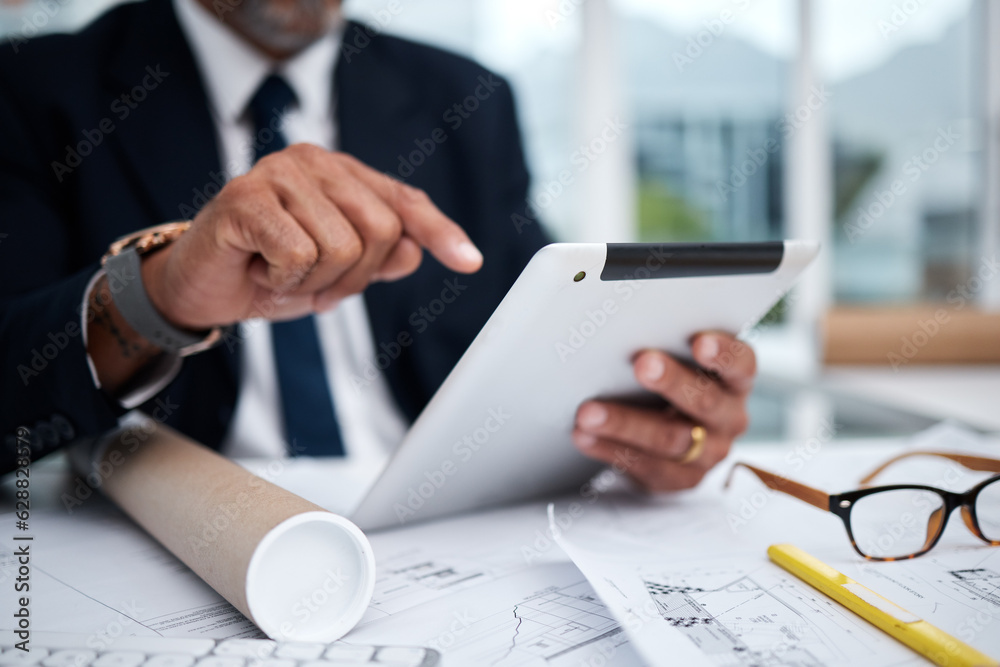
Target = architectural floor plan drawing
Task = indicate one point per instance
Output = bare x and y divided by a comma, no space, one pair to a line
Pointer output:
422,563
982,582
547,615
412,578
554,626
758,619
734,610
954,587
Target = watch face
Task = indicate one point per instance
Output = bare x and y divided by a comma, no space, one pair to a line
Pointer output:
147,240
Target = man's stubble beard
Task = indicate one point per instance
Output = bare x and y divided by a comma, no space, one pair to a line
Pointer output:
284,27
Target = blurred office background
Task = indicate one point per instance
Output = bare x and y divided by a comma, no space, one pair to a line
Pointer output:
871,125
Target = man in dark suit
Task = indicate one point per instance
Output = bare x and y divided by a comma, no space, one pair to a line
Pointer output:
188,109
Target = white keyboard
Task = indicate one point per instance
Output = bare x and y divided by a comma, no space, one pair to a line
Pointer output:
56,649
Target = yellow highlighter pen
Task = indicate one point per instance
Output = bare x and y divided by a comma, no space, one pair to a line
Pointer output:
927,640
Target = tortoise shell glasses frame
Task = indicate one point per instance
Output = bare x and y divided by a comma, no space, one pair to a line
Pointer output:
842,504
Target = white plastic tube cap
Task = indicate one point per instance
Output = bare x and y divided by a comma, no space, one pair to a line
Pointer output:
311,578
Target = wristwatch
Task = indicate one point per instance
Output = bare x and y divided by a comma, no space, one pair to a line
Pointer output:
124,260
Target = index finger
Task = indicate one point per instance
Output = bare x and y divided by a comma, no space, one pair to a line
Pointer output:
422,220
732,360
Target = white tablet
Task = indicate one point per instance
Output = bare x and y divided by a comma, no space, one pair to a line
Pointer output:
498,429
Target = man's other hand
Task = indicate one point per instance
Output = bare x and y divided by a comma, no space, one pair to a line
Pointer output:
298,233
650,444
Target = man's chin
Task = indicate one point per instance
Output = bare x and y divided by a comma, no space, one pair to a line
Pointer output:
282,42
284,28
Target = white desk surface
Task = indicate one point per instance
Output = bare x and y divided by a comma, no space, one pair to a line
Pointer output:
970,394
483,566
967,393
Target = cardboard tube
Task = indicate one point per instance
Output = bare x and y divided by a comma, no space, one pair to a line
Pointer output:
297,571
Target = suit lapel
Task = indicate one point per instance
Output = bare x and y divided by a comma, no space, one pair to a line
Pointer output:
377,115
168,138
376,105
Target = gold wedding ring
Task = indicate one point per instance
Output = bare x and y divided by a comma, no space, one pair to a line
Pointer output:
697,446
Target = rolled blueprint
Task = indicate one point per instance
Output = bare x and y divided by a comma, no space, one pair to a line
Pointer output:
296,570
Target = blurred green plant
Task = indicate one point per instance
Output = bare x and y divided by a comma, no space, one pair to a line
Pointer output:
851,173
776,315
664,216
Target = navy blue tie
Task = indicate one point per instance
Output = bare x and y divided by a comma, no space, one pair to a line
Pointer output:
311,427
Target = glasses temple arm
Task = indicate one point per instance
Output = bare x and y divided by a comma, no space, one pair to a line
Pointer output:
805,493
979,463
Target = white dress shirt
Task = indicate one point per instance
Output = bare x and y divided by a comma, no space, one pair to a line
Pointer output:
232,70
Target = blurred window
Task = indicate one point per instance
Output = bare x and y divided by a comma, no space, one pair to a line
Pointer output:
707,89
905,120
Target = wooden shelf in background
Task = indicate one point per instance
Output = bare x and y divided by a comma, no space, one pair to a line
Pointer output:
896,337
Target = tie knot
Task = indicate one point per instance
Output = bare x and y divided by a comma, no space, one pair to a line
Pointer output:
271,100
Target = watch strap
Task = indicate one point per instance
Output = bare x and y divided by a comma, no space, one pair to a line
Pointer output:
130,297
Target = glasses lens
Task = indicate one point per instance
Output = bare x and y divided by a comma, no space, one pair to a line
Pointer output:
988,510
898,523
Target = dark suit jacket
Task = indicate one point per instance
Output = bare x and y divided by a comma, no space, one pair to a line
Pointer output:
108,131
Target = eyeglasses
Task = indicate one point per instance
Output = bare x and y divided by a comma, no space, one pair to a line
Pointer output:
901,521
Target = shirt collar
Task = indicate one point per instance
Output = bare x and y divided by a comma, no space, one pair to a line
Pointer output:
233,69
310,74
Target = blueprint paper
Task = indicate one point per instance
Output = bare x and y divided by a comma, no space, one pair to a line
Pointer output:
545,615
733,611
463,586
956,589
702,565
479,587
658,637
96,573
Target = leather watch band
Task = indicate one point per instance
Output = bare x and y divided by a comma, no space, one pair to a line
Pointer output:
134,305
